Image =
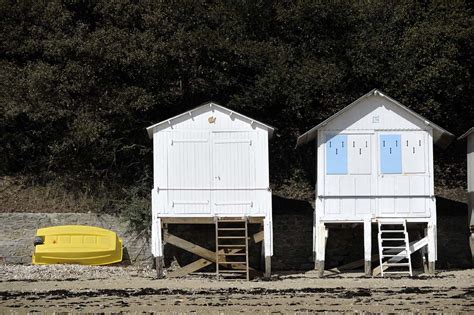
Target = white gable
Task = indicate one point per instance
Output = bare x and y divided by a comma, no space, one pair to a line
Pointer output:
374,105
376,113
211,117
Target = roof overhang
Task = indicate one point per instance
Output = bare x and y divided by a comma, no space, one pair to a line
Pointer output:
441,137
230,112
467,133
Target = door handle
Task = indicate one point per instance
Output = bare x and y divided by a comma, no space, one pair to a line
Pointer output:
217,177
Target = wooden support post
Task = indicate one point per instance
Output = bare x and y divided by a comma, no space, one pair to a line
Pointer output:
268,246
431,247
368,246
321,239
262,249
471,243
157,246
268,267
159,262
424,252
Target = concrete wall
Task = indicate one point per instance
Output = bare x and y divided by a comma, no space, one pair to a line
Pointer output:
292,223
17,231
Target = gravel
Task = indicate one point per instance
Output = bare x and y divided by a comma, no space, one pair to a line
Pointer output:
71,272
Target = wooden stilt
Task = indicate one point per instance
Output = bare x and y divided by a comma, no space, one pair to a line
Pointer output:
431,267
321,239
431,247
268,267
368,268
320,267
368,247
159,267
471,243
423,252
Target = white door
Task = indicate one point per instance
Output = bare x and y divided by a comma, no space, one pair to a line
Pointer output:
189,172
233,172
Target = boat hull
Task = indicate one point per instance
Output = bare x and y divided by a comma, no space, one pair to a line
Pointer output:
77,244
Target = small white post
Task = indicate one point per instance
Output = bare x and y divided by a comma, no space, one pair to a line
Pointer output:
431,247
368,246
321,238
157,246
424,251
268,246
314,239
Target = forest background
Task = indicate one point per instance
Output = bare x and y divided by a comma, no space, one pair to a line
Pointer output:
81,80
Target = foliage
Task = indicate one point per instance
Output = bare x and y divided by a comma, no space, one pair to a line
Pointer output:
135,209
80,80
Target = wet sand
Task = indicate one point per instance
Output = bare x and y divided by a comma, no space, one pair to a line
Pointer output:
132,291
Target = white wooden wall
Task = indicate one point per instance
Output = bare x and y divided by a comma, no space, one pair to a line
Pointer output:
364,191
211,163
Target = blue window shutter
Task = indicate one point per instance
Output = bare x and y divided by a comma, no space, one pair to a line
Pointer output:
336,154
390,154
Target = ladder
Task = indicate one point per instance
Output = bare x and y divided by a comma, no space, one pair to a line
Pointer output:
394,247
232,257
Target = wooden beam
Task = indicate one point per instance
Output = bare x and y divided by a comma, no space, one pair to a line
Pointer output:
198,250
192,267
417,245
354,264
190,247
258,237
199,264
203,220
209,257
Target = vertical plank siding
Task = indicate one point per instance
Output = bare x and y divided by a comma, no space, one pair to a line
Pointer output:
211,163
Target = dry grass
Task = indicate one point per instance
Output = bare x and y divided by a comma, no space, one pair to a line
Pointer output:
18,196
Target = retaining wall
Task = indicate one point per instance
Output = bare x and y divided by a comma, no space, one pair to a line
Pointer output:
292,232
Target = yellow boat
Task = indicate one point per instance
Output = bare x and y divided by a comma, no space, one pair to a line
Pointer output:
76,244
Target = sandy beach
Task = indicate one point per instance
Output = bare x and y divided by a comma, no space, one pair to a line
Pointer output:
53,289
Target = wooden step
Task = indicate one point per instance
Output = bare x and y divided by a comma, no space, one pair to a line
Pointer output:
232,263
393,239
397,264
231,229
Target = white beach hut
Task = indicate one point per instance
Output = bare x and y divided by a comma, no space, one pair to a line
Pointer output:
211,166
375,165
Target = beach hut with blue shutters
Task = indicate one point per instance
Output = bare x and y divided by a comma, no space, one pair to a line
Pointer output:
375,167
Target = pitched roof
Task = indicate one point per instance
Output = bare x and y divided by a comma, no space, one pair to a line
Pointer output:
441,137
212,104
467,133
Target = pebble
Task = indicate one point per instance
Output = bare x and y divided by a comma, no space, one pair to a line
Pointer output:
70,272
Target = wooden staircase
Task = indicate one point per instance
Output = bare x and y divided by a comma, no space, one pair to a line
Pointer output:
232,259
394,247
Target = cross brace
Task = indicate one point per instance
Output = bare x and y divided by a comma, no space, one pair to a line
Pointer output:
414,246
208,257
